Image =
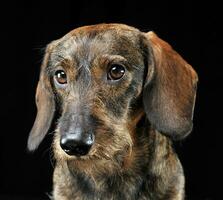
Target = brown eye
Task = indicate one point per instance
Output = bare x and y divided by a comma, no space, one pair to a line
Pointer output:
60,77
116,72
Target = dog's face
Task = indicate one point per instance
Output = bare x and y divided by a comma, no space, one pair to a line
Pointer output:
102,80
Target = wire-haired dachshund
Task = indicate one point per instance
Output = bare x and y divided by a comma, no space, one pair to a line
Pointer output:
121,97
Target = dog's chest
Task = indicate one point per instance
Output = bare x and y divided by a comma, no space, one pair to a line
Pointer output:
81,187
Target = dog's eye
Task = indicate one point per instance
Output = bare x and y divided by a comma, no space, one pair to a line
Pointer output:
116,72
60,77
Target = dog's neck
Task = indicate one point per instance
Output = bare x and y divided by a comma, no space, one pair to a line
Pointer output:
110,186
91,183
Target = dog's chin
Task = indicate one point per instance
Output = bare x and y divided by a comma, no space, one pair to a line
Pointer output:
93,165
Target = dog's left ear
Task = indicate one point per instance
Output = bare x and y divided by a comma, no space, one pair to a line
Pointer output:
169,90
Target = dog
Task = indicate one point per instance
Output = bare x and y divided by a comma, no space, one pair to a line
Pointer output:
118,98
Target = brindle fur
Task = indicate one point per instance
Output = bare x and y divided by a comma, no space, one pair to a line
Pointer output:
133,120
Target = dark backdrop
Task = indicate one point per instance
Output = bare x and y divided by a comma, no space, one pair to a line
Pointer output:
26,27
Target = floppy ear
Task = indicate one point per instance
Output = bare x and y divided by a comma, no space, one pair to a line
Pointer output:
45,107
169,90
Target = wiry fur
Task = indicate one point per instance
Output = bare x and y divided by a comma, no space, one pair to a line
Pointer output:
133,120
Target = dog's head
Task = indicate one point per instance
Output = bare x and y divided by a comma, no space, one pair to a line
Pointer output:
102,80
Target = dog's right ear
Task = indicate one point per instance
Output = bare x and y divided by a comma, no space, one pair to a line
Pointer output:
45,106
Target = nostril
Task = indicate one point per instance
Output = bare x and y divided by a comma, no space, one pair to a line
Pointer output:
66,145
81,150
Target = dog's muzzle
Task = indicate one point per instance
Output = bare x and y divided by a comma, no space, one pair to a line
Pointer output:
77,143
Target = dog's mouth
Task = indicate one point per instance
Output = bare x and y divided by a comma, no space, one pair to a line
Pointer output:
94,155
101,156
106,157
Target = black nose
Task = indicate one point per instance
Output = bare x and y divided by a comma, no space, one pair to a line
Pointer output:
73,144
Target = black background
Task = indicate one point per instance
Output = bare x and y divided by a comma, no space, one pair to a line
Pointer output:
26,27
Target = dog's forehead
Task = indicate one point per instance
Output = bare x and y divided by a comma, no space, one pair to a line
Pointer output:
88,42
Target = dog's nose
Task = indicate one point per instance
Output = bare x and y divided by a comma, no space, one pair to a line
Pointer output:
74,144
